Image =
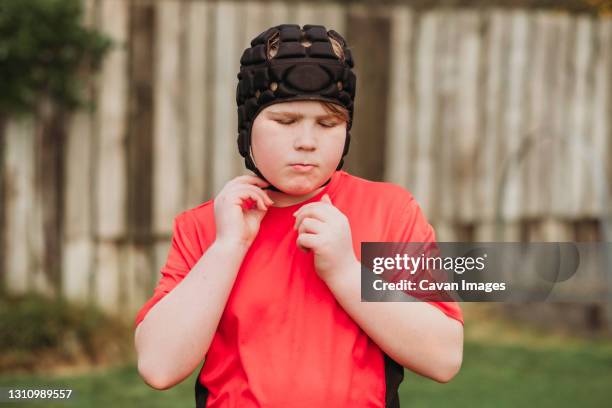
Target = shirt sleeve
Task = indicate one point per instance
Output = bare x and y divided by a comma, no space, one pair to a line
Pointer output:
183,254
415,228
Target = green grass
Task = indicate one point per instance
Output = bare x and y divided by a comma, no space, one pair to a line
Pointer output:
116,387
571,375
511,376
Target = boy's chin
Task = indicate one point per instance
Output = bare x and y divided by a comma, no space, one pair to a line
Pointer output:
296,190
301,188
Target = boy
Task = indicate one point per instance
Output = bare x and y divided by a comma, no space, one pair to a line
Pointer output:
263,282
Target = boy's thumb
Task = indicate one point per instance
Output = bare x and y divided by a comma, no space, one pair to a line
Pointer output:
326,199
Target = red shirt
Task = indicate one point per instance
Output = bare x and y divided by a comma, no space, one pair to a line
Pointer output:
283,339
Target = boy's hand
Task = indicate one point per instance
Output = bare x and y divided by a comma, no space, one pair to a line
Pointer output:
325,230
239,208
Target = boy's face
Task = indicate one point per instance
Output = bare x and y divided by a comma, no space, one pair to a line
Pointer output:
287,135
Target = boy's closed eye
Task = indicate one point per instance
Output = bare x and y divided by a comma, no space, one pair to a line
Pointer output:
327,124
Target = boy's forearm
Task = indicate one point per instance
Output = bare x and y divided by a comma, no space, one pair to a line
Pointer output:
176,333
415,334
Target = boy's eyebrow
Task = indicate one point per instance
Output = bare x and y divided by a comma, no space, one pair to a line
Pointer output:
297,115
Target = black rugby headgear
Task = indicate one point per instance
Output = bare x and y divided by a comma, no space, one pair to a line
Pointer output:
305,67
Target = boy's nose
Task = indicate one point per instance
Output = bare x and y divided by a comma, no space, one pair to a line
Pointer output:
305,138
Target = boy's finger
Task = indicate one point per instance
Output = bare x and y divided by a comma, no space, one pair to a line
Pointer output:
262,198
247,178
306,241
251,200
326,199
313,209
262,193
310,225
256,190
307,214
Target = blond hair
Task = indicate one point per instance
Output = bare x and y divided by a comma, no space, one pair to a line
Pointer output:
338,111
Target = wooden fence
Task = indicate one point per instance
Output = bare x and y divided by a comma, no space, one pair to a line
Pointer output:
451,103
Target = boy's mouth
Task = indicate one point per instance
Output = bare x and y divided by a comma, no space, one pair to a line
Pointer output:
302,167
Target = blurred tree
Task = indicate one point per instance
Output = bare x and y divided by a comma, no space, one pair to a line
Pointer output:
602,6
42,47
44,51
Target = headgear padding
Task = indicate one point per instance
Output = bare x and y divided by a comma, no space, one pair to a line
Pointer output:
297,71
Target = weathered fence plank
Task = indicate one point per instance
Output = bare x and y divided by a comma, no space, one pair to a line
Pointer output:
605,127
78,244
514,127
422,182
228,50
112,109
445,179
560,84
111,174
24,250
601,126
579,130
369,34
493,149
139,274
468,125
196,146
169,134
399,130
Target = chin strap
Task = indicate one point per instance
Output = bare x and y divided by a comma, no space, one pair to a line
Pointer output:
272,188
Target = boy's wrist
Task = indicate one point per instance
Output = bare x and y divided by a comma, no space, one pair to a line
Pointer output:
344,275
233,245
